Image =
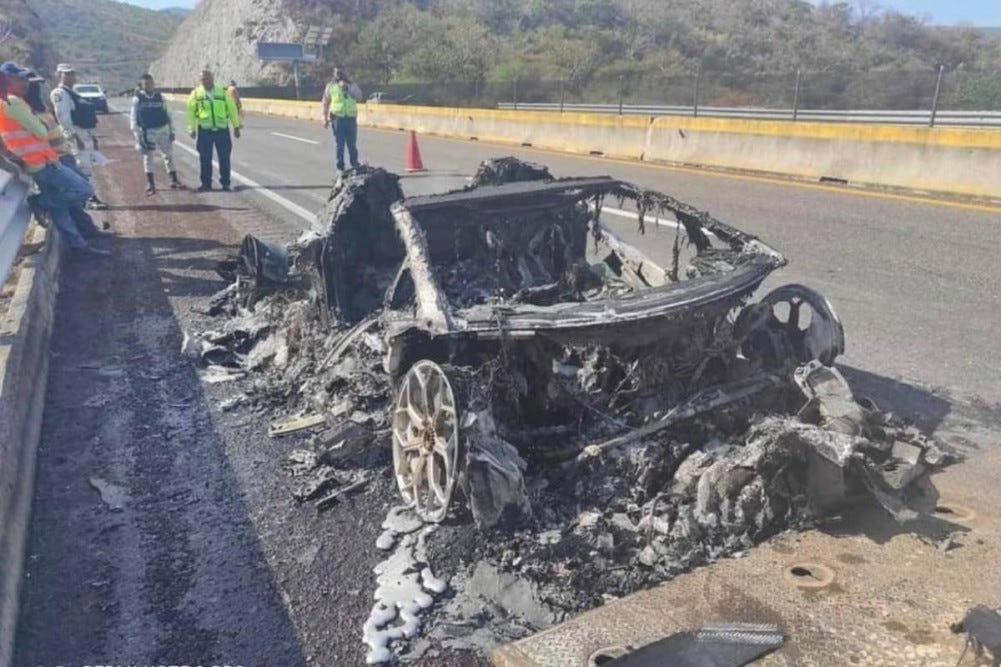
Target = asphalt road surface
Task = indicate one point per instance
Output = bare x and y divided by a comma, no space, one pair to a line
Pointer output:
196,554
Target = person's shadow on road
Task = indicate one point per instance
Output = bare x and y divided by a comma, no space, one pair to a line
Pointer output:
179,208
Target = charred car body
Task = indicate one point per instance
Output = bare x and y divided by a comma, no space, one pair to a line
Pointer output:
521,330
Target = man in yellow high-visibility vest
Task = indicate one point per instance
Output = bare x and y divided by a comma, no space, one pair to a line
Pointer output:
340,108
211,111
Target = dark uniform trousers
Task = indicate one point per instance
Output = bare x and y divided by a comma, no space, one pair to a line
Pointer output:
223,144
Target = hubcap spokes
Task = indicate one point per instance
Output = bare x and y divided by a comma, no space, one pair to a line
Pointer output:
425,440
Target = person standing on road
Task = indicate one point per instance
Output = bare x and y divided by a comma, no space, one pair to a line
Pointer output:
340,109
26,138
211,111
78,119
153,130
235,94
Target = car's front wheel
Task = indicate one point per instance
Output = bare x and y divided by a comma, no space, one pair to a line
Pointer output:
426,440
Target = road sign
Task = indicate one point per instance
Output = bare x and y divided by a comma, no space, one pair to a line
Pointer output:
280,52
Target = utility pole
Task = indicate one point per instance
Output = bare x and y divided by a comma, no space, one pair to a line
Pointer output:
938,90
698,84
795,99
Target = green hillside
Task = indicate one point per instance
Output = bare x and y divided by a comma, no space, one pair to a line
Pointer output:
441,40
851,55
109,42
21,37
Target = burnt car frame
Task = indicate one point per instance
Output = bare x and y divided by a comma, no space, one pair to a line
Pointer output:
499,275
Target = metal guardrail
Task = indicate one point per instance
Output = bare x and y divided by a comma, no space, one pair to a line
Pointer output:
947,118
14,216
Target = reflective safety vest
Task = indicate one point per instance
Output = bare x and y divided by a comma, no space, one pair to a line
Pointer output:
34,152
216,113
341,104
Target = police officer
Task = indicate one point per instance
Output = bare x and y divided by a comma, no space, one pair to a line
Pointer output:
211,111
153,130
78,119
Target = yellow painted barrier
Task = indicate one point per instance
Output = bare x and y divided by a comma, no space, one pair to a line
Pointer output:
962,161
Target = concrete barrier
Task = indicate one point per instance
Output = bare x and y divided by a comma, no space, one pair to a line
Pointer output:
25,331
947,160
595,134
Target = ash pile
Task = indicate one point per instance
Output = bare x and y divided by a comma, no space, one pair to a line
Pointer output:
568,417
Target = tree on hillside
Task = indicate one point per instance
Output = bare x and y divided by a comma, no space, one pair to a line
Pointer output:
850,51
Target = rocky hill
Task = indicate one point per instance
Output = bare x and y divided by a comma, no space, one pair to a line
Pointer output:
222,35
109,42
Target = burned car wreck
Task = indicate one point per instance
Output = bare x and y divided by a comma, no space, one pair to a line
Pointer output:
521,330
527,365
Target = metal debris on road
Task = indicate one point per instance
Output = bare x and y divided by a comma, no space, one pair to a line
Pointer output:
332,499
280,428
714,645
982,627
111,495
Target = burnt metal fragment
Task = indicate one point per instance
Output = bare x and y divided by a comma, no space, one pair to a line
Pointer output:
982,627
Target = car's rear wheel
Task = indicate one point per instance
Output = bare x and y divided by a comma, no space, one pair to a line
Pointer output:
792,322
426,440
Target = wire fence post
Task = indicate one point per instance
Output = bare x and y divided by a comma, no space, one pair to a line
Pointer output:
514,92
698,84
622,91
795,99
938,90
563,94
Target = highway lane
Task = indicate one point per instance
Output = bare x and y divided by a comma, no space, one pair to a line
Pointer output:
916,282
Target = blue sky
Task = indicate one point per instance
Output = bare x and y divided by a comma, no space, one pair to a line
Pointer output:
977,12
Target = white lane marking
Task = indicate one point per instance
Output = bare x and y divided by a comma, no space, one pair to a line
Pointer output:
632,215
289,136
292,207
660,222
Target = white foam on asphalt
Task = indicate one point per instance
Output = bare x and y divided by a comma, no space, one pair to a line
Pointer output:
405,585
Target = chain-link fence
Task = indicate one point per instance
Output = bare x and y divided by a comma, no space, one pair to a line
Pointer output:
960,97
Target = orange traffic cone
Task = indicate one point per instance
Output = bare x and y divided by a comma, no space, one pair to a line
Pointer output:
414,162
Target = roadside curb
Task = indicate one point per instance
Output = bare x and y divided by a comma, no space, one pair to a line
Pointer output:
25,331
